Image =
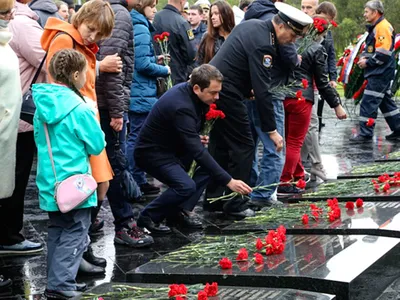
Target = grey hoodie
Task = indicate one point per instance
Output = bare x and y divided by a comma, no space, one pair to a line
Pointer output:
44,9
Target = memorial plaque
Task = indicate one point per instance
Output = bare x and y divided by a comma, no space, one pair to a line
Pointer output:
224,293
374,218
349,190
372,170
343,265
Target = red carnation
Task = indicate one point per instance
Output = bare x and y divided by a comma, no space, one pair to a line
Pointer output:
259,244
157,37
370,122
305,219
349,205
202,295
386,187
258,258
359,203
304,82
225,263
314,207
242,255
334,24
315,214
299,94
301,184
179,298
211,289
177,289
331,216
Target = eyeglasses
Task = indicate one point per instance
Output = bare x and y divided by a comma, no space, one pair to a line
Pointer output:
8,13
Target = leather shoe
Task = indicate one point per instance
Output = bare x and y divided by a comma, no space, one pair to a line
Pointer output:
360,139
185,221
89,269
81,287
4,282
242,214
90,258
146,222
61,294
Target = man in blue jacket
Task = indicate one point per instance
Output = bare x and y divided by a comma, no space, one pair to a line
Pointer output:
169,141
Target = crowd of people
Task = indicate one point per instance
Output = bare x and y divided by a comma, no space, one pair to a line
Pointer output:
95,75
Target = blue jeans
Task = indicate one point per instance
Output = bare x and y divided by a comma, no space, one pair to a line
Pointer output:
272,162
120,206
136,122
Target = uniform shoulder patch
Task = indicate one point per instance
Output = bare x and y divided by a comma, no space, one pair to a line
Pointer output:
190,34
267,61
381,39
370,49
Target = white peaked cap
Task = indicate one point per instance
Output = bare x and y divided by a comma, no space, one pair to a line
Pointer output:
294,17
203,2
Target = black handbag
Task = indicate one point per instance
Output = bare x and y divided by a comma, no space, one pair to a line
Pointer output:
28,107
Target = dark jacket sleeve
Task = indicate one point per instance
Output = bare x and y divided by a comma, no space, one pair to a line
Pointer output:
185,43
330,50
289,55
321,78
185,123
112,88
260,81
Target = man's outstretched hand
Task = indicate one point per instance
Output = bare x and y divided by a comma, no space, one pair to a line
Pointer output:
239,187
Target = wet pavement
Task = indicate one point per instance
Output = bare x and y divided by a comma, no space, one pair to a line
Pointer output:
29,272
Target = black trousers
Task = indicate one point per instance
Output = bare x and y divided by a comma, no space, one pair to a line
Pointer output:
320,109
12,209
232,146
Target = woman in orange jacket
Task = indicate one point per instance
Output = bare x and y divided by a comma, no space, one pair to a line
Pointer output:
93,22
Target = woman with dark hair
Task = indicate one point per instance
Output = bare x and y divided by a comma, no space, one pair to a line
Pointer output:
220,25
298,105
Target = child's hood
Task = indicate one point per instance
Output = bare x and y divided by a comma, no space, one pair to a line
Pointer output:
53,102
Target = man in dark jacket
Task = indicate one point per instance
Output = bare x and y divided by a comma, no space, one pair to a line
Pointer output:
44,9
113,94
198,27
179,45
169,141
246,62
272,161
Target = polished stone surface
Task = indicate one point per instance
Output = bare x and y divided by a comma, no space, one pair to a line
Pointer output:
328,264
338,156
374,218
224,292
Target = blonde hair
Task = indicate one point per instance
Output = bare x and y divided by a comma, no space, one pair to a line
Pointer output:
7,5
97,13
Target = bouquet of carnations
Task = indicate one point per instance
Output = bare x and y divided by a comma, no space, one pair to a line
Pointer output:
212,116
162,40
319,26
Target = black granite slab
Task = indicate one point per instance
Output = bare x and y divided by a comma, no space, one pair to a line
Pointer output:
348,190
374,218
372,170
345,266
224,292
393,156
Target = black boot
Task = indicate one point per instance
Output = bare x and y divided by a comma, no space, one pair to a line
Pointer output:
90,258
96,225
87,268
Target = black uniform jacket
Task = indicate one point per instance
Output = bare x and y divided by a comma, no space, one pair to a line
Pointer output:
179,45
245,60
171,132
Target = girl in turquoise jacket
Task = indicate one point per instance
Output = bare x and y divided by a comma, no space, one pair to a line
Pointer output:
74,135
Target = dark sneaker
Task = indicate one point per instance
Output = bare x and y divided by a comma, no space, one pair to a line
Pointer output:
25,247
242,214
149,189
61,294
96,226
395,135
185,221
4,282
360,139
289,190
259,204
133,237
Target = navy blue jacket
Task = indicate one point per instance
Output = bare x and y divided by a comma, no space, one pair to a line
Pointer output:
171,132
286,59
198,35
146,71
179,45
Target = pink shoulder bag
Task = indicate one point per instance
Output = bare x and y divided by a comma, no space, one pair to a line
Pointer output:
72,191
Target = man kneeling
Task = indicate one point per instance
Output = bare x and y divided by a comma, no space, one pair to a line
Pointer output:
169,141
